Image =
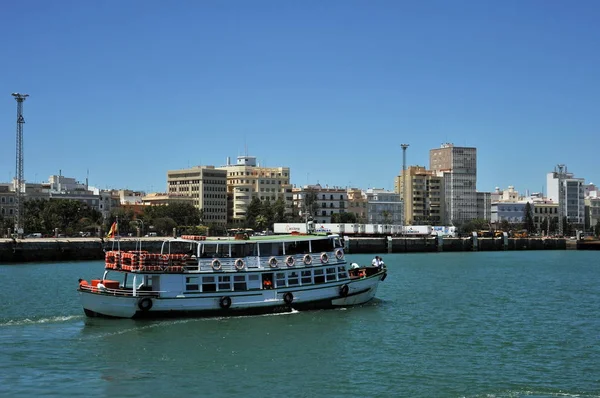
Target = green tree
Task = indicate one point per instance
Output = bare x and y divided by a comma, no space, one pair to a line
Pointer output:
268,213
387,216
279,210
597,229
528,223
261,222
253,210
164,225
311,205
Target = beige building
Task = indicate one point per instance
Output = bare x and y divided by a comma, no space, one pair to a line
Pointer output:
425,194
544,209
246,180
357,204
207,187
159,199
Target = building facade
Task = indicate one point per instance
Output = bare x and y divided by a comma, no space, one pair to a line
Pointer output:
424,203
572,199
246,180
357,204
484,206
207,186
458,166
384,207
327,201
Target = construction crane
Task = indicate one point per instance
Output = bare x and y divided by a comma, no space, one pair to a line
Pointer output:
19,173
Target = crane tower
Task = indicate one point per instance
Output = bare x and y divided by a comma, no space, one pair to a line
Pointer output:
19,174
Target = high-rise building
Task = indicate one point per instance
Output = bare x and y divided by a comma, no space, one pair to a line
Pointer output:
424,204
458,166
246,180
573,198
207,186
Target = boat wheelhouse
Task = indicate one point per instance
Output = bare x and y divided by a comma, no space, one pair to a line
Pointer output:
198,276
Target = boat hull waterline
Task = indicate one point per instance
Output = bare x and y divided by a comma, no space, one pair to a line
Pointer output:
242,303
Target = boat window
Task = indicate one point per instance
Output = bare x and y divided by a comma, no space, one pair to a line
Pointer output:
208,284
280,279
239,282
306,277
301,247
321,245
246,250
331,274
271,249
293,278
252,277
319,278
191,284
224,282
342,272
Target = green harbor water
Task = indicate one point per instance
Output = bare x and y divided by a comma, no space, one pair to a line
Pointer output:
489,324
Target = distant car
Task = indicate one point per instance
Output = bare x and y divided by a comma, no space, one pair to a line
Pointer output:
34,235
150,234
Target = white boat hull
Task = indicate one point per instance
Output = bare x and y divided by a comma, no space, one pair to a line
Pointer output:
329,295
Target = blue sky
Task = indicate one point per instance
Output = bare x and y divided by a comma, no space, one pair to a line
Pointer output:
131,89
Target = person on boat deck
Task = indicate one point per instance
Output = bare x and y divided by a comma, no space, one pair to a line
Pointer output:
354,266
375,262
83,282
101,286
381,263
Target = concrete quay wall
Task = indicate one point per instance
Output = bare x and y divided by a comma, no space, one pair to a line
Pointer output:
434,244
73,249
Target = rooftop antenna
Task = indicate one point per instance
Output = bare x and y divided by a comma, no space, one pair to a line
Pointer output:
19,177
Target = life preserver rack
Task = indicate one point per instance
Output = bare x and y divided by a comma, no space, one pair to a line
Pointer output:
193,237
142,261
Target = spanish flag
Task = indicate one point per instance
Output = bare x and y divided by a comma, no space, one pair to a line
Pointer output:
114,229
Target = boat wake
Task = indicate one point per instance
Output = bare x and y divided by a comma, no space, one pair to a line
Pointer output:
27,321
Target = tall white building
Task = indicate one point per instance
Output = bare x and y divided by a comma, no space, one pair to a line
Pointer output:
573,198
458,165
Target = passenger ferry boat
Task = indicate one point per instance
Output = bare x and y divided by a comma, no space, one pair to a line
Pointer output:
198,276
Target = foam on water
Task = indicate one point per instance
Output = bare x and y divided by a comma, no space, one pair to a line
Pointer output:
27,321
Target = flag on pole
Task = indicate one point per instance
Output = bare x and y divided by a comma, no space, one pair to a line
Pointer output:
114,229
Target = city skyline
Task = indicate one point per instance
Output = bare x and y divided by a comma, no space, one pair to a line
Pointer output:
129,91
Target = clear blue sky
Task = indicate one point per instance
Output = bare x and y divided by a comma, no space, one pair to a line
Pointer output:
131,89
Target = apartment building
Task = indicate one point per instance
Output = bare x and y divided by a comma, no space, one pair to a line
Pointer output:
458,166
327,201
246,179
7,201
207,186
424,204
357,204
384,207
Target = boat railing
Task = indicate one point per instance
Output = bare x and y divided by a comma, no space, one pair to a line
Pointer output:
266,262
121,292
